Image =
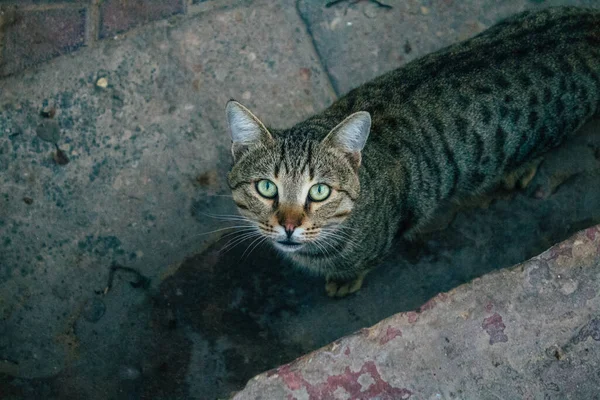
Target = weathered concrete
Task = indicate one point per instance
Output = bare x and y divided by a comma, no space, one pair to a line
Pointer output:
141,121
529,332
359,40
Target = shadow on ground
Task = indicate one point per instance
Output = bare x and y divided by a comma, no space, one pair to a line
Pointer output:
224,316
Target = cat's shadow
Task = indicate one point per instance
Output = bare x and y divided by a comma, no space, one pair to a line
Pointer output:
255,311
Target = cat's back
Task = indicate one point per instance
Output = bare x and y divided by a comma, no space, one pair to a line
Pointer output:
530,42
475,110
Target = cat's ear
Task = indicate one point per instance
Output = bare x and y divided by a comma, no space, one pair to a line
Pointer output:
350,136
246,130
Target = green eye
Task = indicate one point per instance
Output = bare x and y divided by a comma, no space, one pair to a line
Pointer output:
319,192
266,188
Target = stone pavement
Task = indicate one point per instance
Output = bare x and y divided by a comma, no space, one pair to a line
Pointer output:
113,163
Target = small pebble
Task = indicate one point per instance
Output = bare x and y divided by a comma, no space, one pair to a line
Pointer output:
424,10
48,112
93,310
28,200
60,157
48,131
102,83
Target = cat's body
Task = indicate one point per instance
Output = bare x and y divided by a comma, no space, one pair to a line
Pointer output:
447,126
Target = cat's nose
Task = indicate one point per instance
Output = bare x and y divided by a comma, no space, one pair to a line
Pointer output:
290,217
289,229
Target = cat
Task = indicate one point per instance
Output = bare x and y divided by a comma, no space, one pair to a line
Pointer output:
332,192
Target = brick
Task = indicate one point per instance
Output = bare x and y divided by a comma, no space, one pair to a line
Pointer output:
120,15
30,37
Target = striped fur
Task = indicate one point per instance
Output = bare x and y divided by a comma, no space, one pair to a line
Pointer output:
444,127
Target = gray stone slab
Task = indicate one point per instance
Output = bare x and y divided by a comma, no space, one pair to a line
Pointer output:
360,40
528,332
141,121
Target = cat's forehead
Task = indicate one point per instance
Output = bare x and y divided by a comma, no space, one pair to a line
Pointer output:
295,156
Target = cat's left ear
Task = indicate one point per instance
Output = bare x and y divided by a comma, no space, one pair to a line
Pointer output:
350,136
246,130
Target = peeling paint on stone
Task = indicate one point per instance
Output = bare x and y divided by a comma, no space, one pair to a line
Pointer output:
390,333
349,381
591,233
495,328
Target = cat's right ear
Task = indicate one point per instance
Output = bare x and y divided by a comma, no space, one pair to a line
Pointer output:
246,130
350,136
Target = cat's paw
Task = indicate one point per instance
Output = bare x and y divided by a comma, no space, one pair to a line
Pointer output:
528,176
521,177
337,288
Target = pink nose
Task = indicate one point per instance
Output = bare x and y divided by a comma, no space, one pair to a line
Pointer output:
289,226
289,229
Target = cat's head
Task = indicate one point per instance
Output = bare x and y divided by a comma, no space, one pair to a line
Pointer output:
296,188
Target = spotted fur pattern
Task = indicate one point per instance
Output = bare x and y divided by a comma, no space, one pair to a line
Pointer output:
443,127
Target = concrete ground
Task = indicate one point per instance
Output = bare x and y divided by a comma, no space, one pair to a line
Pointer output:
101,295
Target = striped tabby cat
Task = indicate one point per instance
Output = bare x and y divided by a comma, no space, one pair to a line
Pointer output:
453,124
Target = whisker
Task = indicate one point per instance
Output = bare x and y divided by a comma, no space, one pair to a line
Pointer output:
237,240
339,233
233,233
233,219
246,227
339,227
321,248
247,248
256,245
240,238
327,243
216,195
338,237
343,239
229,217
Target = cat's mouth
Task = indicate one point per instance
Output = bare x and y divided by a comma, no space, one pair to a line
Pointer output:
288,245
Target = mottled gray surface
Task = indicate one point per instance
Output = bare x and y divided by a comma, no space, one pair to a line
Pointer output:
147,160
528,332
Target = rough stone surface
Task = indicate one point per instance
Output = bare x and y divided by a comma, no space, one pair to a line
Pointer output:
117,16
359,40
528,332
148,159
29,37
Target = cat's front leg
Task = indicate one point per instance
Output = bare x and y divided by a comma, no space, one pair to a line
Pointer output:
336,287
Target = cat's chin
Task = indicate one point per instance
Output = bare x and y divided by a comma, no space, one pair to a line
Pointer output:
287,246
